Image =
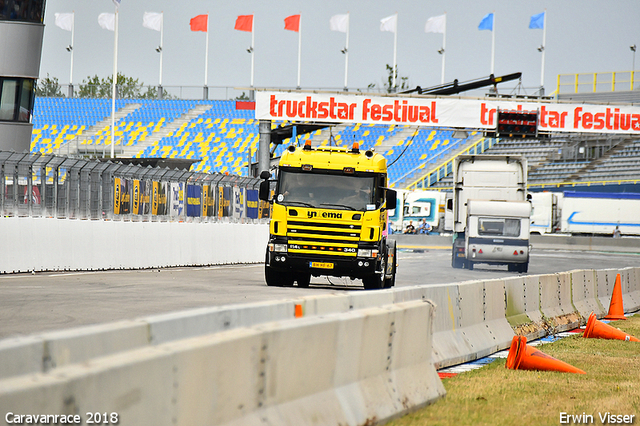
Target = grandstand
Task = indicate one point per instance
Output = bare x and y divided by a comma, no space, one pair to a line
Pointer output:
224,138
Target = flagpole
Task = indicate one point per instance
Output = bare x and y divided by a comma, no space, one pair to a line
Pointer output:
73,25
346,55
395,48
161,46
544,42
444,47
493,41
252,42
206,60
113,85
299,47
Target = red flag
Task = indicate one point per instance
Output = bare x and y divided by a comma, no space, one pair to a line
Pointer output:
244,23
199,23
292,23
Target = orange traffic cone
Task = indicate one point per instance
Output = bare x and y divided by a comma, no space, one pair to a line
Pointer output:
524,357
616,311
599,330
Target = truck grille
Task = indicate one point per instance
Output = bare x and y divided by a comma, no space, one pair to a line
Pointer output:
323,238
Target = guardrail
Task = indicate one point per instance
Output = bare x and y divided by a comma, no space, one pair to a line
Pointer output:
372,354
35,185
597,82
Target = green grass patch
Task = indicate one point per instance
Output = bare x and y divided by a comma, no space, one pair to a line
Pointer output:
494,395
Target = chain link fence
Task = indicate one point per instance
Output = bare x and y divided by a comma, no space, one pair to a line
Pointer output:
35,185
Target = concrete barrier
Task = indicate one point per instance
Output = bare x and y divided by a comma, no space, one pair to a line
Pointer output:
452,343
631,288
522,295
368,366
196,322
45,244
584,293
495,319
21,355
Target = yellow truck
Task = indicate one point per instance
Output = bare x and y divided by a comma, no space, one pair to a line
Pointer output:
329,217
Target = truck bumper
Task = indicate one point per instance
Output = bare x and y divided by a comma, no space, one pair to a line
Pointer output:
498,251
322,265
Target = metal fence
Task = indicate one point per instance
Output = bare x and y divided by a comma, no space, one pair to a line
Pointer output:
35,185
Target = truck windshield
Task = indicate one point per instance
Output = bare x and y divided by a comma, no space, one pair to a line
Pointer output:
499,227
326,191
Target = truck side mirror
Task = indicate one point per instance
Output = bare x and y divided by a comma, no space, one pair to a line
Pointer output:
392,199
263,192
264,175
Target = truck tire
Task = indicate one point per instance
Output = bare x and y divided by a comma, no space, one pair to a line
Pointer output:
303,280
456,262
470,265
524,267
373,282
276,278
392,261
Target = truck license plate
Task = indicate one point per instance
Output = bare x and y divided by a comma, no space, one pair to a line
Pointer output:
321,265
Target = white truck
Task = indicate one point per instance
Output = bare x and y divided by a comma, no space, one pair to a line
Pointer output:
545,212
585,213
415,206
491,212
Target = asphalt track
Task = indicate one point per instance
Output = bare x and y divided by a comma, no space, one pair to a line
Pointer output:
32,303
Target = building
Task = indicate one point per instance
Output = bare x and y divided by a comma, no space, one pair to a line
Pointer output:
21,32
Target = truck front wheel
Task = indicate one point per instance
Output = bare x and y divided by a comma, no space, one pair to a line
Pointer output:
391,264
276,278
303,280
373,282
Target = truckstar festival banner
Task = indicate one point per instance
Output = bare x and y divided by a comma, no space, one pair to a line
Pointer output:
443,112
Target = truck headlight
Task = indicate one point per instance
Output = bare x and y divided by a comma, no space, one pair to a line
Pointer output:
364,252
278,247
367,252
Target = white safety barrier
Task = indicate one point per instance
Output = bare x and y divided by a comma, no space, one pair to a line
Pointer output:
45,244
360,367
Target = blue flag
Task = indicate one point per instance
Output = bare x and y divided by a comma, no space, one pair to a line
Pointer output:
487,22
537,21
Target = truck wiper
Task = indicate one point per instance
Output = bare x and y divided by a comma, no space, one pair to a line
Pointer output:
299,203
344,206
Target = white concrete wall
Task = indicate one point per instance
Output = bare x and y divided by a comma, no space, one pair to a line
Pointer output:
353,368
45,244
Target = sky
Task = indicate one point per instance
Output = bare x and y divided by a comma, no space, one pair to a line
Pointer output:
581,37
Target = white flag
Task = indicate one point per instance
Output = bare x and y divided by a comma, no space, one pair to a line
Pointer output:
339,23
107,21
389,23
436,24
64,21
152,20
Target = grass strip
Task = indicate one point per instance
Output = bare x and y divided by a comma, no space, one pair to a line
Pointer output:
494,395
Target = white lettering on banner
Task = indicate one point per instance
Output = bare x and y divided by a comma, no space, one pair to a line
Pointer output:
442,112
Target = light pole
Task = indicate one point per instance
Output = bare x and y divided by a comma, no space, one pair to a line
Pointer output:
633,67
